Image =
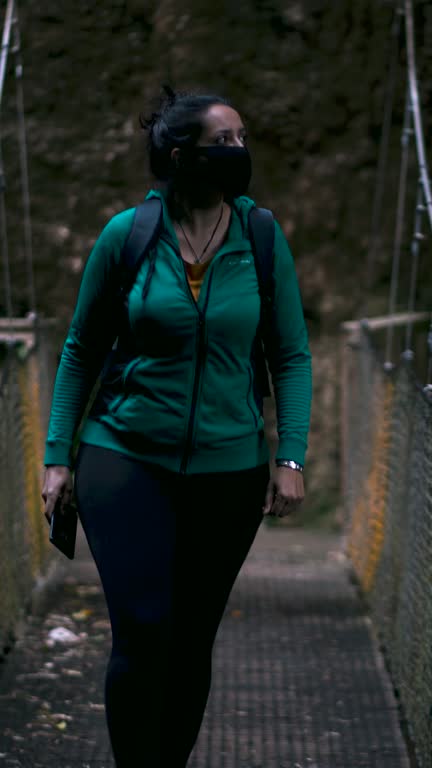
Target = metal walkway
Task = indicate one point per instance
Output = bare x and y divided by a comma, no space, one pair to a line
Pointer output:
298,681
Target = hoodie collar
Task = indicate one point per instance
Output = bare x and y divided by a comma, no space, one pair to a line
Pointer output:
237,236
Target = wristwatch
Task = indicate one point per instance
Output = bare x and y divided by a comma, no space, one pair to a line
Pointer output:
289,463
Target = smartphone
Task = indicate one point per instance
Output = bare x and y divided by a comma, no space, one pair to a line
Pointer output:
63,528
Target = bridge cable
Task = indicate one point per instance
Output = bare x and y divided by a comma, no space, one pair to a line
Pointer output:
416,239
4,238
428,386
420,145
375,240
418,126
28,250
400,215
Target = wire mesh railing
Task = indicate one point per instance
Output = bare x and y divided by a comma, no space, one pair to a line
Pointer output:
387,474
26,374
387,425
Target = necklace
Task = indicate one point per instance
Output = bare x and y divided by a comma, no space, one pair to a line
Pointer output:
199,258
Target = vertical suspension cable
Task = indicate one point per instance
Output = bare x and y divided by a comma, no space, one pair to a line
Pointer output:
406,132
5,44
4,242
383,154
429,372
417,237
419,140
28,249
418,127
3,228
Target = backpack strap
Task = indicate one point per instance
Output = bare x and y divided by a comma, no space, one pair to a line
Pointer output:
144,233
262,237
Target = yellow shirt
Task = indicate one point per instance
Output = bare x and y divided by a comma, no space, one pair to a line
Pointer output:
195,275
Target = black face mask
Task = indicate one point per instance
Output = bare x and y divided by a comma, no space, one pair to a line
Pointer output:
228,169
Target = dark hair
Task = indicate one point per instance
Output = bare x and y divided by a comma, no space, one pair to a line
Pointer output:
177,123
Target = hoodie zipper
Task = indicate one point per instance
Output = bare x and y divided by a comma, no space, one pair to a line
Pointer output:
200,355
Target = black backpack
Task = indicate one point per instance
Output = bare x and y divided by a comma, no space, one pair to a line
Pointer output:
144,235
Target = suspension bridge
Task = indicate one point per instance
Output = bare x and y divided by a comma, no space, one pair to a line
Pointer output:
324,657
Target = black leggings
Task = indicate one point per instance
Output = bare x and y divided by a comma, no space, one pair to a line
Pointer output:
168,549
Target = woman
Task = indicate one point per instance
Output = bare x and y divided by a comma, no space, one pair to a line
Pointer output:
172,475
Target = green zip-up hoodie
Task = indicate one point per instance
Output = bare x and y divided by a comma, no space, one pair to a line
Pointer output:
186,399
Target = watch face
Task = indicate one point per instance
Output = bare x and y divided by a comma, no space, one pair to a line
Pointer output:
290,464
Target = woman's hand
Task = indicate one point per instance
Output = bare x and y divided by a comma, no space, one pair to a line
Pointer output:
285,492
58,483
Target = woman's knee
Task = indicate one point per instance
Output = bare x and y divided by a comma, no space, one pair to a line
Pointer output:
135,635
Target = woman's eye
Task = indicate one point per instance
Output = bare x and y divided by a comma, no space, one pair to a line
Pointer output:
223,139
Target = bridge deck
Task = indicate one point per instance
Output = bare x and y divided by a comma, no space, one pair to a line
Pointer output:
298,681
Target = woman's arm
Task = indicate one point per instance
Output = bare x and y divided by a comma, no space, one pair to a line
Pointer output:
89,339
289,356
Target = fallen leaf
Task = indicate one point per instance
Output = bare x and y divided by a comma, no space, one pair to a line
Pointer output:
84,613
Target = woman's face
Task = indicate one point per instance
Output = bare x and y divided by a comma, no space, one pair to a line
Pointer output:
222,125
219,162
